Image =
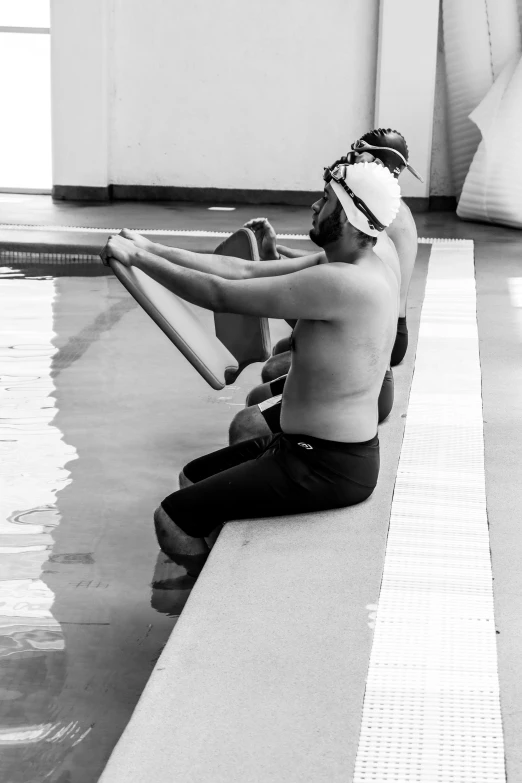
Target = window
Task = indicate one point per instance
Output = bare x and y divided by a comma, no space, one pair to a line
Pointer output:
25,96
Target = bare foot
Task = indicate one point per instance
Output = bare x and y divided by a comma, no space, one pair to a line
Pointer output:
185,550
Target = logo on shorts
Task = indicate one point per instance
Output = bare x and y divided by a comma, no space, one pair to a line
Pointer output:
305,445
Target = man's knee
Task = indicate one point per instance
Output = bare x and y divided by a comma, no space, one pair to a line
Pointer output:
276,366
401,342
247,424
386,396
259,394
184,481
281,346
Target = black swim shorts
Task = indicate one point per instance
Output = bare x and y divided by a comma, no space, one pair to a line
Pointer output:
401,342
271,412
272,476
277,386
271,409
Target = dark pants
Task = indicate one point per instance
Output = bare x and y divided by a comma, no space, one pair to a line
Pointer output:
272,476
401,343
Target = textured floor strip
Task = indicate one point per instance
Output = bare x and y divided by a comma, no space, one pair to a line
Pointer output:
432,706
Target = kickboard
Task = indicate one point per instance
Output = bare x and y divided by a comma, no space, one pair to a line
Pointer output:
204,351
247,337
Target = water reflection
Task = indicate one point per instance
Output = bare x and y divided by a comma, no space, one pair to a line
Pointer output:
33,456
80,630
171,586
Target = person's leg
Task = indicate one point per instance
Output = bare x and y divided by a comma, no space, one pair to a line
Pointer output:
185,549
223,459
281,345
258,394
254,421
264,391
189,516
401,342
257,421
276,366
291,474
386,396
185,482
188,551
247,424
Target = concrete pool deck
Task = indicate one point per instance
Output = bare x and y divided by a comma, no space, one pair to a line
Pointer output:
344,585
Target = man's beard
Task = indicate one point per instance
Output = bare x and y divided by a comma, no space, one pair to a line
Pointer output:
330,229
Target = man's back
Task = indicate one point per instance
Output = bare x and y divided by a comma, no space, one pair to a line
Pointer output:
338,365
403,233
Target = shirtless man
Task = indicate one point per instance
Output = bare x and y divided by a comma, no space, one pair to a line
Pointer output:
396,246
389,148
346,308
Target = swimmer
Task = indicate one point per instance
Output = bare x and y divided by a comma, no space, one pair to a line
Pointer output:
346,308
261,416
389,148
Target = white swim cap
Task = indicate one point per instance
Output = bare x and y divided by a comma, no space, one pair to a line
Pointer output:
375,186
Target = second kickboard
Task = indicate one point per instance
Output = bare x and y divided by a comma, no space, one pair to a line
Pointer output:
247,337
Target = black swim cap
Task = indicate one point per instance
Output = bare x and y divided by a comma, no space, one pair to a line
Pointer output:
386,137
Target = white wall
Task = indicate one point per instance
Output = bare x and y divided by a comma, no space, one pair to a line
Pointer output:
228,94
406,72
79,97
232,94
441,176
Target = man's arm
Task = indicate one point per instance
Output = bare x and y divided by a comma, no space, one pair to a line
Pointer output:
231,268
285,266
214,264
403,233
317,293
291,252
224,266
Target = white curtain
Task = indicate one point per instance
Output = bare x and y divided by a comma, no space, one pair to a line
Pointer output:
480,38
492,190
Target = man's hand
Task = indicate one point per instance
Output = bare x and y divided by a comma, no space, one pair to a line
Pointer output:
104,255
266,238
140,241
123,250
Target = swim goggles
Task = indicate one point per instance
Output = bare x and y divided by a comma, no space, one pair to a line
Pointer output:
361,146
335,173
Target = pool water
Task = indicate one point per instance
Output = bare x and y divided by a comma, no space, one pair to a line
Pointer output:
99,414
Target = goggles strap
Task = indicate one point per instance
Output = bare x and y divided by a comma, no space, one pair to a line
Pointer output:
358,202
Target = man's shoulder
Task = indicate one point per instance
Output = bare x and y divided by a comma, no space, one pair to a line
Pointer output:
366,281
404,222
